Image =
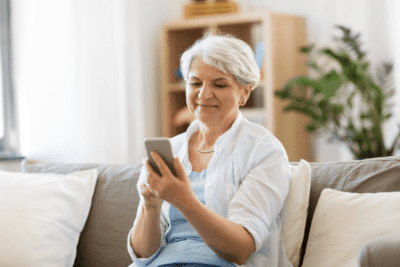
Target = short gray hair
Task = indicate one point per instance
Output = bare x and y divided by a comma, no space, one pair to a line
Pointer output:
227,53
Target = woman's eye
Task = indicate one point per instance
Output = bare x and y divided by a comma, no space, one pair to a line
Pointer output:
220,85
194,84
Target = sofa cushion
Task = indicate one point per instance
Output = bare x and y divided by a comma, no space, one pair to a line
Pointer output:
42,216
381,251
359,176
294,211
344,222
103,239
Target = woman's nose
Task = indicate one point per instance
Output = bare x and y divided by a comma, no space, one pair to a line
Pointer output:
205,91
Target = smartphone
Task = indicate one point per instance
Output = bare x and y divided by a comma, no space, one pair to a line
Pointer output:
162,146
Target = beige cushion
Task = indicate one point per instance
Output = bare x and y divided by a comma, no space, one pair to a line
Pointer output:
294,211
42,216
344,222
113,210
358,176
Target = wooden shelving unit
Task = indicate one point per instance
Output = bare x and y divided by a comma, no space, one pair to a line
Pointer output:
282,36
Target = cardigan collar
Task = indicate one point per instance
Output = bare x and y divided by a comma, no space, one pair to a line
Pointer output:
226,141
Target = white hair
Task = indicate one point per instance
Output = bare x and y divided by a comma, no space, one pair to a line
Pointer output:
228,54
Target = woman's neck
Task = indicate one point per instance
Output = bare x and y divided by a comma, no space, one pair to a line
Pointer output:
206,136
208,133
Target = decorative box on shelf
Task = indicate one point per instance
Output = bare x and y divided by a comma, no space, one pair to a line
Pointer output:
206,8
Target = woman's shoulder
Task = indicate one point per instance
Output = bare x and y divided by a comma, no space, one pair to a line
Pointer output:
254,133
256,137
254,129
255,144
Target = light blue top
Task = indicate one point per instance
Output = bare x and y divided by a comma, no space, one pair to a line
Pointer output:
182,239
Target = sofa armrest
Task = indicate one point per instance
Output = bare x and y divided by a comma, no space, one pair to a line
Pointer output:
382,251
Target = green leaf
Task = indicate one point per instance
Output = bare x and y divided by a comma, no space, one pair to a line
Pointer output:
300,80
330,83
302,109
300,83
351,41
365,115
312,127
337,122
307,49
351,126
349,67
332,54
314,66
283,93
387,116
323,104
337,109
365,66
349,100
306,82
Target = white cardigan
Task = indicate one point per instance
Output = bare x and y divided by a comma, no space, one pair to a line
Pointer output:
247,181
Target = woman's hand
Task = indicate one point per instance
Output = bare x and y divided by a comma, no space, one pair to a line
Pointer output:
177,190
151,200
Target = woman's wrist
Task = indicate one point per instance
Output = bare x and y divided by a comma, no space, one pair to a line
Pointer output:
152,208
187,204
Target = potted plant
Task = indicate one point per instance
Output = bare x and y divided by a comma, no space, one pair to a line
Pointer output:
327,98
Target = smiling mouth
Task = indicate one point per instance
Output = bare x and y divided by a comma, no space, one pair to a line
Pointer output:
207,106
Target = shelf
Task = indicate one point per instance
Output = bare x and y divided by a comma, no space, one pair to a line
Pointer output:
240,17
256,99
178,41
282,35
239,30
177,87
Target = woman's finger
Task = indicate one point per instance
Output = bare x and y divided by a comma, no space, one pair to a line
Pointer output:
147,190
162,166
142,188
150,169
150,189
152,172
152,178
180,171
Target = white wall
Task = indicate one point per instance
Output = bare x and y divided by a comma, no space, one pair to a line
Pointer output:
153,14
88,72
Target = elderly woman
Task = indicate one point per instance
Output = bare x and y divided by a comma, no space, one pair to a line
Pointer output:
222,208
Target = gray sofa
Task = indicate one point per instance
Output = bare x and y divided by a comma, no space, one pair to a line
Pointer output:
103,239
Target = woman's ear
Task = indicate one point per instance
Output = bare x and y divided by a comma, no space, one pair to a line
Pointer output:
246,90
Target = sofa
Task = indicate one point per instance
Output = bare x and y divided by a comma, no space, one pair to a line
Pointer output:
103,240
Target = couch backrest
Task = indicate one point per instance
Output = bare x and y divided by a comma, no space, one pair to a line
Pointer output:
358,176
104,238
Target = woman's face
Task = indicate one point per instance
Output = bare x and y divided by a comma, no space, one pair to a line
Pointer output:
213,96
